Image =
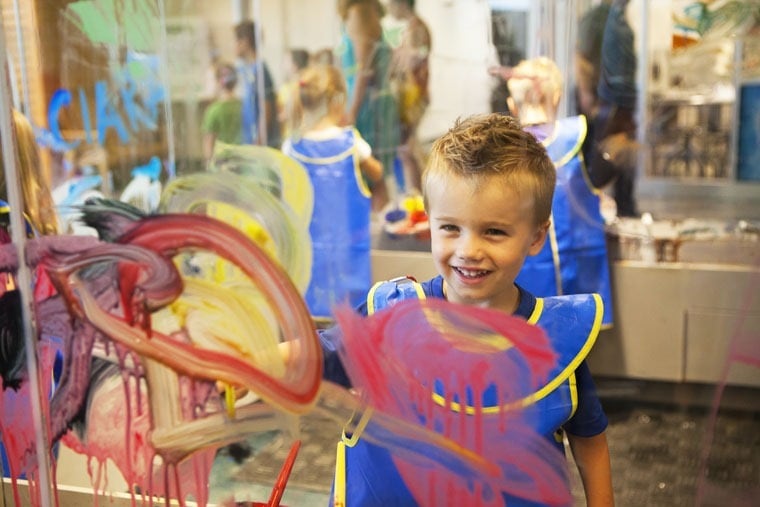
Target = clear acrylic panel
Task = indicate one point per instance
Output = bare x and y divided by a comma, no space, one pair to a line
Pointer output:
158,336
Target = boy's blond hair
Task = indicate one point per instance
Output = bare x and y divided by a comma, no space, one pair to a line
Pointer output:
495,145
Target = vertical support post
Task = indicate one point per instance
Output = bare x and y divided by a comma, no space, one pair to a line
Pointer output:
261,81
737,78
642,98
170,157
23,276
25,92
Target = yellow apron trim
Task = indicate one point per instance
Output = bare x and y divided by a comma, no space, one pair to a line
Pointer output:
584,168
363,421
323,160
363,188
578,143
361,183
419,290
339,492
551,137
555,382
584,171
371,298
537,311
229,400
371,294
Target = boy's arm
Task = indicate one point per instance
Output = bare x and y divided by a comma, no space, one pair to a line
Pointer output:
329,340
592,457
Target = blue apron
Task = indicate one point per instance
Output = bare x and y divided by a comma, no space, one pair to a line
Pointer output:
339,228
574,257
366,474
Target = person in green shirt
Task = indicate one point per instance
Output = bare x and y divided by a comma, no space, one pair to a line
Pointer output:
222,119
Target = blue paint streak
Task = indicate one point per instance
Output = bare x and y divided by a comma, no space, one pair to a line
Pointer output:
107,116
85,115
61,98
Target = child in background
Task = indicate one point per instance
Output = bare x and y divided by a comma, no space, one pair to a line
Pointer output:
574,260
338,161
296,60
223,118
260,125
488,190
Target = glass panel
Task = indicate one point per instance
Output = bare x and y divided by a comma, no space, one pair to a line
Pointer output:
157,319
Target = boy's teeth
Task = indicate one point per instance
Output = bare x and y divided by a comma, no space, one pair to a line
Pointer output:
471,272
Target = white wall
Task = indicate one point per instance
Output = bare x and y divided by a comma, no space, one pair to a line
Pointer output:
307,24
460,56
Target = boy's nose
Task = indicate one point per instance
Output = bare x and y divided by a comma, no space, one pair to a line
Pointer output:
468,247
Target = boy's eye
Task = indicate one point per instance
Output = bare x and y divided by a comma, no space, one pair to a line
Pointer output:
495,232
449,228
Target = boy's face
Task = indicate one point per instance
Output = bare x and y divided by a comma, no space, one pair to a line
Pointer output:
480,238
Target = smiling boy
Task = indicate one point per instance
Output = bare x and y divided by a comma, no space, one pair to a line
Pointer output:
488,189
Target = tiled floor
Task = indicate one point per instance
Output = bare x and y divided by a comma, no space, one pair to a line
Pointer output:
665,451
674,457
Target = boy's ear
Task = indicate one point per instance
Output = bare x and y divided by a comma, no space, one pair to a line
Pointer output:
539,238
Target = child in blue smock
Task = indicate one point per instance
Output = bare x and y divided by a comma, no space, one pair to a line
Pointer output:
574,259
340,166
488,189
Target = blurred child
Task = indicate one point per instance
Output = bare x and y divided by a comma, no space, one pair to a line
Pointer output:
260,125
297,60
574,260
338,161
223,118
